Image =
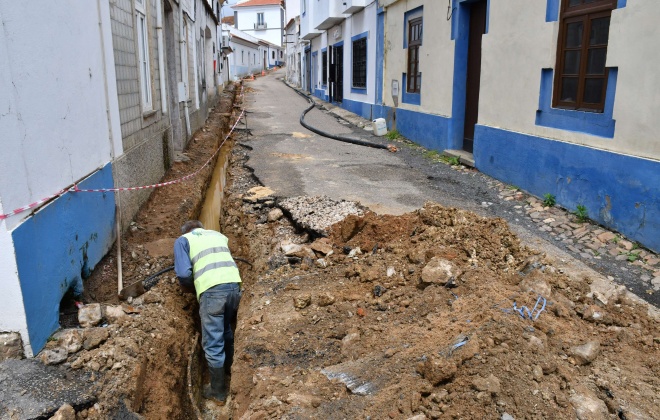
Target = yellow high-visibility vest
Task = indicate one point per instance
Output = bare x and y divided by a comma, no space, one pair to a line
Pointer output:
211,260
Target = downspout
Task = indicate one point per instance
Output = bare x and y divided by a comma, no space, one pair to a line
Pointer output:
161,58
113,155
184,72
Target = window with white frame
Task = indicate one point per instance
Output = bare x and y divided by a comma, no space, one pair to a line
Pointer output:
143,53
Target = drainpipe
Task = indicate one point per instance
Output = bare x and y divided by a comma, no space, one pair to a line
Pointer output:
161,58
113,154
184,72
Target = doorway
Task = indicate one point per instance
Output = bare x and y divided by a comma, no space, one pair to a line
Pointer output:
265,60
308,70
478,11
337,73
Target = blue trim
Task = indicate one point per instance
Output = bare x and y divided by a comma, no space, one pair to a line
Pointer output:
425,129
458,24
552,11
407,97
619,191
363,109
597,124
324,49
338,44
406,17
380,54
320,93
58,247
621,4
313,69
360,91
460,33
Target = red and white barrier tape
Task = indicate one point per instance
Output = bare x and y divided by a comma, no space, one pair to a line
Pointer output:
162,184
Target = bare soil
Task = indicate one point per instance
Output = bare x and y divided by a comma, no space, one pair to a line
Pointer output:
378,334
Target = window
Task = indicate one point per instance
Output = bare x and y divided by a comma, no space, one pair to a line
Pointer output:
580,75
414,79
143,54
273,55
242,57
360,63
260,19
324,68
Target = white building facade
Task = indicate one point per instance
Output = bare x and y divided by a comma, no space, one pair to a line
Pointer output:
263,19
60,126
100,97
340,60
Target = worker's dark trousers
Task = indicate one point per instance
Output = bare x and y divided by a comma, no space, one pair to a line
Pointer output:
217,311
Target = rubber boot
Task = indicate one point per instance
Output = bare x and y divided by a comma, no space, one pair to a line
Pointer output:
217,390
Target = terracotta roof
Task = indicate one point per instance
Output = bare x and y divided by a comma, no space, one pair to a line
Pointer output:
259,3
229,20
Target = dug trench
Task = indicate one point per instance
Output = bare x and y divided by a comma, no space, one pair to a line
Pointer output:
438,313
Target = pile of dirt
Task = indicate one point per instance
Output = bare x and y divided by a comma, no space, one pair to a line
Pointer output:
438,313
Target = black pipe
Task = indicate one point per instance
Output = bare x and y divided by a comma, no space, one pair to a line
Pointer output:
148,283
333,136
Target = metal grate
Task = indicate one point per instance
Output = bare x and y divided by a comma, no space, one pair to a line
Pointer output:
360,63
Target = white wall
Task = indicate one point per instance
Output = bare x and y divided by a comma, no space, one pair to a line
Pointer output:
520,43
292,10
436,56
55,126
247,18
13,313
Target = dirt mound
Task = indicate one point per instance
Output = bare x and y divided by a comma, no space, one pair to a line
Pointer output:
440,313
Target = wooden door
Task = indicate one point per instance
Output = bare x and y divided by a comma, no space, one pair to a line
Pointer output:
477,29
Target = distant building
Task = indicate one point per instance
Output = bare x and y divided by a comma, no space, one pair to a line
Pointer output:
248,55
294,52
263,19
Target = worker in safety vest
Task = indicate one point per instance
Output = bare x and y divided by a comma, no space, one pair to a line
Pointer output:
204,265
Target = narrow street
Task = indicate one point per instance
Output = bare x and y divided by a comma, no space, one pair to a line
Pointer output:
322,209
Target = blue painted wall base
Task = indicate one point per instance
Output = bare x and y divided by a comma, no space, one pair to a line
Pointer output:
58,247
620,192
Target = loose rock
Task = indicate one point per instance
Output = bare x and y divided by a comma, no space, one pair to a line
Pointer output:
70,339
586,353
92,338
301,302
325,299
589,407
114,313
437,370
65,412
490,384
439,271
11,346
90,315
275,214
54,356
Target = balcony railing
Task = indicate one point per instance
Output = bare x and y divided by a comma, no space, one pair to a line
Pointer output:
260,25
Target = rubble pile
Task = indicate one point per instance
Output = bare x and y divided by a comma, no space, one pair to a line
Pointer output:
438,313
318,213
